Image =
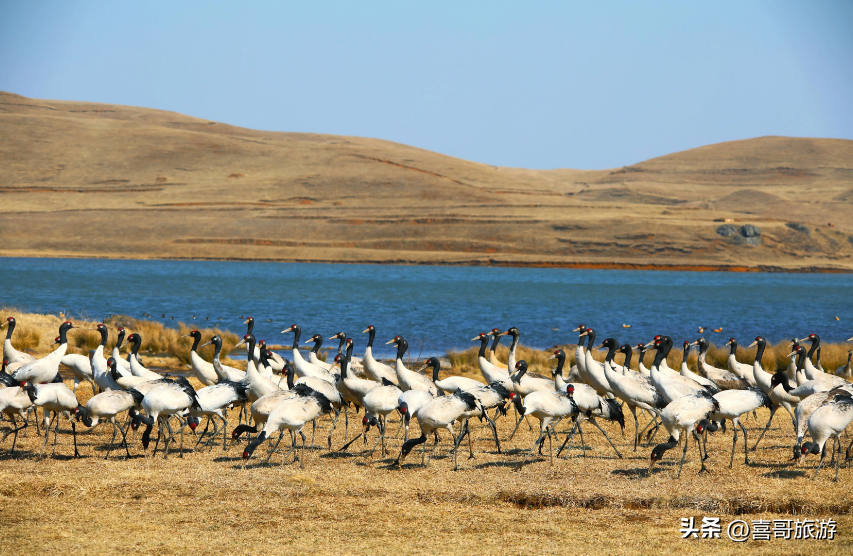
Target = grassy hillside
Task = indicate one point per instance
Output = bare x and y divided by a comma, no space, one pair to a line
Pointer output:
85,179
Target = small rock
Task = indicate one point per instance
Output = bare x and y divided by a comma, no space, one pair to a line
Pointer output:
800,228
729,230
753,241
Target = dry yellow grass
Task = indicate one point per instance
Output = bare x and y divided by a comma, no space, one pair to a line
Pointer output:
347,504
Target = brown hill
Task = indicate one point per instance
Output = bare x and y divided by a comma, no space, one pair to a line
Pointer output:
85,179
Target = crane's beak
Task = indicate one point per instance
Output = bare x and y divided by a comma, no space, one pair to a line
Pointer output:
287,330
792,354
5,324
475,339
335,337
186,336
423,368
850,339
391,342
246,321
601,347
577,329
207,344
696,343
365,331
554,356
753,343
240,343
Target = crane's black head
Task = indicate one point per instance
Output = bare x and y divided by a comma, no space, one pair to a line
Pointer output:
494,332
370,328
811,338
316,338
339,336
760,341
559,354
809,448
658,451
570,389
248,320
195,334
580,328
641,347
339,358
706,425
513,331
625,348
134,338
262,344
193,422
403,408
433,362
111,364
609,343
349,342
521,365
482,336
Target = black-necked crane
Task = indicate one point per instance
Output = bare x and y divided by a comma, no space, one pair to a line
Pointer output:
828,421
641,367
303,367
262,407
723,379
352,388
44,370
100,372
525,383
670,386
803,411
496,335
212,400
316,342
203,370
777,393
379,402
491,372
592,372
122,363
223,372
812,372
276,361
410,403
742,370
451,383
710,385
407,379
805,389
681,416
81,368
732,405
492,396
549,407
636,391
14,402
162,402
579,353
11,354
373,369
105,406
136,367
442,413
58,399
257,385
292,414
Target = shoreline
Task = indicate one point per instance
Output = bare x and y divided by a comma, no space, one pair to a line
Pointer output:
477,263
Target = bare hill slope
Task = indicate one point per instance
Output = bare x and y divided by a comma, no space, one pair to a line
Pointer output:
85,179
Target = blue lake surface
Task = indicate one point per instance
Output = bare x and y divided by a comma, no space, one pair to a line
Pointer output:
438,307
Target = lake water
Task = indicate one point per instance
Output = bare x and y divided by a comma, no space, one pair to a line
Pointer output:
440,308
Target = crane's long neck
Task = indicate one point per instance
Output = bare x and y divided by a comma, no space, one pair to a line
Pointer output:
349,351
217,347
402,347
611,352
590,340
814,347
628,353
344,365
435,372
10,330
370,335
251,327
659,357
297,332
341,341
495,341
484,342
686,352
63,335
801,360
104,335
290,372
759,352
196,340
732,348
317,344
137,343
250,347
561,360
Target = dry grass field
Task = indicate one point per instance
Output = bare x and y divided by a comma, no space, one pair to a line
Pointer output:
345,503
183,187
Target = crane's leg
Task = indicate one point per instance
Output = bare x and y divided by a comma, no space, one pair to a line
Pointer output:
494,432
55,433
200,438
124,439
734,445
699,446
517,423
820,463
583,442
651,422
470,441
74,436
683,455
347,445
302,458
334,424
550,447
113,439
269,455
838,459
292,449
171,436
346,423
770,420
745,451
456,442
567,441
46,435
633,411
313,430
383,424
593,421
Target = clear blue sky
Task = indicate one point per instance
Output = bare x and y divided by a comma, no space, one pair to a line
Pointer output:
531,84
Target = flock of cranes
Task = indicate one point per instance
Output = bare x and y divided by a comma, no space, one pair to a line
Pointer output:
275,394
